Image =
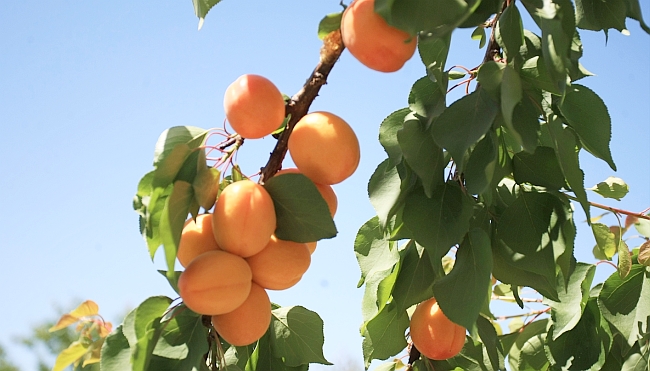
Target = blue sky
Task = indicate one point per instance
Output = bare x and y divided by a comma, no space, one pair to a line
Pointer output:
87,87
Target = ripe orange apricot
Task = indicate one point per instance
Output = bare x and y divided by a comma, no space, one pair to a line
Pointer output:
324,148
215,282
196,238
244,218
325,190
280,265
254,106
433,333
372,41
311,246
249,322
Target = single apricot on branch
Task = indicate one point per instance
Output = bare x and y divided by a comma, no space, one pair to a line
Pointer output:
324,148
433,334
254,106
215,282
249,322
196,238
243,218
280,264
374,42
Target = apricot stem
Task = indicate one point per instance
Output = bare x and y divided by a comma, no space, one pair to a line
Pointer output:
615,210
299,104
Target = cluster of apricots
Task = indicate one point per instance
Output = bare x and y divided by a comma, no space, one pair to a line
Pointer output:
231,256
374,42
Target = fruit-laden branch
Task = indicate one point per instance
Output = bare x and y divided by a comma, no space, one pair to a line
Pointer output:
299,104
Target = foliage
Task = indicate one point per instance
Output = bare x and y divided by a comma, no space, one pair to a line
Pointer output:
472,190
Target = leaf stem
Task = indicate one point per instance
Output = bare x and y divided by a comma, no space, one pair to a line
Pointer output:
535,313
613,209
299,104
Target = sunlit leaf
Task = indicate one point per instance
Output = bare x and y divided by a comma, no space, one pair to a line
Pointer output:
612,187
329,23
297,336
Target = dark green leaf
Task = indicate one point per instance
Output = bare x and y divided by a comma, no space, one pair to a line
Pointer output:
439,222
422,154
479,34
531,331
205,183
567,311
427,100
263,357
464,123
490,339
541,168
183,338
634,12
583,347
422,15
565,145
302,213
511,93
486,9
388,134
297,336
481,164
461,292
525,125
384,335
535,72
116,352
433,52
489,76
172,221
329,23
414,281
597,15
588,116
148,328
625,302
510,32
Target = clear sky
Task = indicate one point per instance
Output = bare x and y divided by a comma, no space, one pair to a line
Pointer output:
87,87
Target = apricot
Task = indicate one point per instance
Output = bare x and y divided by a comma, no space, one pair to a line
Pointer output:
435,336
372,41
325,190
311,246
280,265
249,322
243,218
324,148
215,282
196,238
254,106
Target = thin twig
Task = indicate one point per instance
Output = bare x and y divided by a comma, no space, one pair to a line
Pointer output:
613,209
299,104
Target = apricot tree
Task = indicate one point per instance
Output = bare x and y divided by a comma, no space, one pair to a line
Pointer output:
474,202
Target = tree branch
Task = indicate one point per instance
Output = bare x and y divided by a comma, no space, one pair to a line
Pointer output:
299,104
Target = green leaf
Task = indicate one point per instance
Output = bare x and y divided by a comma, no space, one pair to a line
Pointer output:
509,32
535,73
172,221
461,292
183,339
597,15
634,12
643,227
586,113
426,99
481,14
606,241
384,191
422,154
202,7
541,168
329,23
464,123
384,334
583,347
624,259
422,15
481,164
414,282
263,357
170,138
302,213
493,347
297,336
511,93
388,134
520,350
612,187
564,143
206,183
147,328
489,76
116,352
374,253
625,302
479,34
439,222
567,311
433,53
